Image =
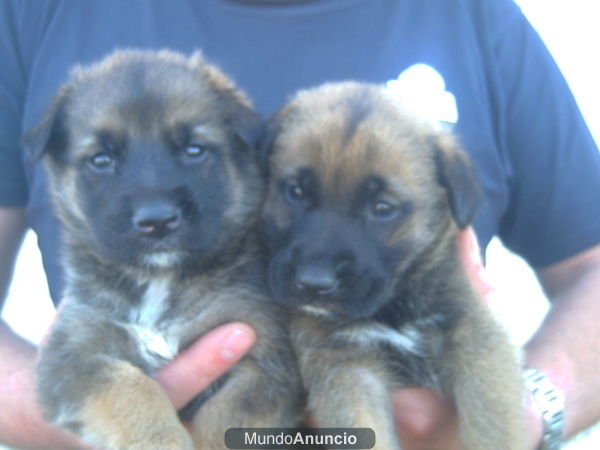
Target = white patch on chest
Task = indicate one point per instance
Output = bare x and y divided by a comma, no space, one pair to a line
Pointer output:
162,259
155,346
315,310
407,339
153,304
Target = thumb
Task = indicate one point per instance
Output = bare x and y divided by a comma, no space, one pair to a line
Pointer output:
195,368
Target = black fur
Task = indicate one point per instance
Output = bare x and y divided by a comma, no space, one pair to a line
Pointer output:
464,191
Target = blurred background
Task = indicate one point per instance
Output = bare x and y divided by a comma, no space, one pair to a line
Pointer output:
570,30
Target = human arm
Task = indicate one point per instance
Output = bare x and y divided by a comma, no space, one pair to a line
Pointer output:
567,347
21,424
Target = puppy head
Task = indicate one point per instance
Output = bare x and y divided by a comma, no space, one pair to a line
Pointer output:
359,193
150,158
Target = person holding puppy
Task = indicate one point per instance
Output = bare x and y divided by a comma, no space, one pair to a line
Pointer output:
512,111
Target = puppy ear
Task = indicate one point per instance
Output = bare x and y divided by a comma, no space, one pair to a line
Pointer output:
265,147
456,174
248,125
50,135
271,131
236,106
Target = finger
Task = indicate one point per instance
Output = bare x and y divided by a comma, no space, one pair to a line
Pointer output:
469,254
204,361
424,420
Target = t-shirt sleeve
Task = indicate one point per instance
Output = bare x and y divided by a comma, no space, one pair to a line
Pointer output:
13,187
554,178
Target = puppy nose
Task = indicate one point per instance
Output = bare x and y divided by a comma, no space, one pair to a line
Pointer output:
316,281
156,219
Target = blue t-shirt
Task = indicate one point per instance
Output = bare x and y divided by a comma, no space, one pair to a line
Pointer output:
538,164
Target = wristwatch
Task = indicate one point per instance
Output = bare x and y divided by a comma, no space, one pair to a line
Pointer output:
551,403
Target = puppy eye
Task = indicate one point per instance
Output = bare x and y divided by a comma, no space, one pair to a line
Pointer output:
101,162
195,152
295,193
383,211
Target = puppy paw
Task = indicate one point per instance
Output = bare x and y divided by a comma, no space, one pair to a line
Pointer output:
163,438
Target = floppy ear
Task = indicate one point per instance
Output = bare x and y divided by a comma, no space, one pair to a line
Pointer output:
247,124
50,135
240,115
236,106
456,174
270,133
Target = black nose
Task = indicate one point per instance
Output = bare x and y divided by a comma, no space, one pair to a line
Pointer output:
156,219
317,281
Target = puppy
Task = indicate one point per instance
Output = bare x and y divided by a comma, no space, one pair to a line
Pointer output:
154,178
361,215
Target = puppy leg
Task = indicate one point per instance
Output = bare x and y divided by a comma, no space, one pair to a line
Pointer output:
482,373
251,397
350,395
131,411
87,385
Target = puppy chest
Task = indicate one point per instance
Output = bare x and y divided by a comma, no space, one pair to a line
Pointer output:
156,341
154,303
405,353
407,340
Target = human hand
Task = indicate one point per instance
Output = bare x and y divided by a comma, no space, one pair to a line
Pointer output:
425,420
21,421
204,361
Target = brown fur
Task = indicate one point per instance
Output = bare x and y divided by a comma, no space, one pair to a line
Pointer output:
350,147
109,410
139,290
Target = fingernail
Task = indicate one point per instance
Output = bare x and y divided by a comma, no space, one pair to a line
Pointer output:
236,344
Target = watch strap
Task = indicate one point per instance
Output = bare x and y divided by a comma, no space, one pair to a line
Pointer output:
551,403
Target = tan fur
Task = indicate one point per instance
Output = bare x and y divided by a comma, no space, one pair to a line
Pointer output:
345,133
377,143
238,206
111,418
347,387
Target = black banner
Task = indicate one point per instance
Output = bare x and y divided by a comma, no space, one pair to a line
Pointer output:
299,438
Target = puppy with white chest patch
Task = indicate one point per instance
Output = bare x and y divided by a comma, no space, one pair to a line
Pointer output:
155,179
361,216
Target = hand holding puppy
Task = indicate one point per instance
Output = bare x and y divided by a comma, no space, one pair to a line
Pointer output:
424,419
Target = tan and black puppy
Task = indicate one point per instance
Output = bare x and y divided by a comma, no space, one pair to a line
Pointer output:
361,216
155,180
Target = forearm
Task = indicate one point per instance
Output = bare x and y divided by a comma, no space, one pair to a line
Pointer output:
567,346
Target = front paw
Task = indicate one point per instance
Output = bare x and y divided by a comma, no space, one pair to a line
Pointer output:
154,436
161,438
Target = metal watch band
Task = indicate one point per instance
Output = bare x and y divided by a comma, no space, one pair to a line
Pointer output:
551,403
